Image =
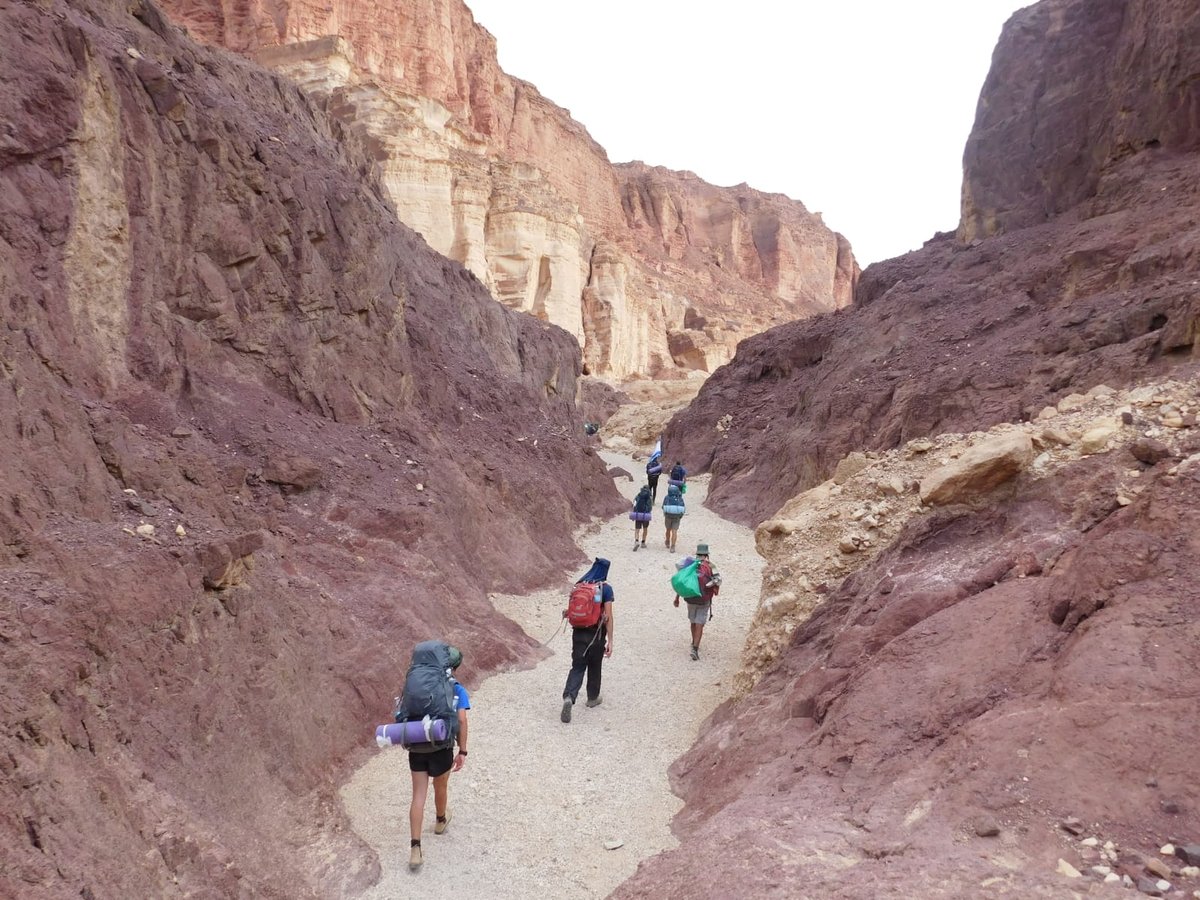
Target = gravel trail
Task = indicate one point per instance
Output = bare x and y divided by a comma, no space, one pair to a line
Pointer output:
537,801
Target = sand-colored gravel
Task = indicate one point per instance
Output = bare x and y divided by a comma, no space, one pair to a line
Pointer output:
537,801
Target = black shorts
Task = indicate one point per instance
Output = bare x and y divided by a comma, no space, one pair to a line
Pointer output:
437,763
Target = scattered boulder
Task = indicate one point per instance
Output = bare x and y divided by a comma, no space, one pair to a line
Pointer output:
1065,868
1057,436
985,826
1149,451
224,564
293,473
1150,887
618,472
1189,853
1071,402
1072,825
979,470
1157,867
1097,437
850,465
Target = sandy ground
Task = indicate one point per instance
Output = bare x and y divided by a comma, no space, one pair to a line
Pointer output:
537,801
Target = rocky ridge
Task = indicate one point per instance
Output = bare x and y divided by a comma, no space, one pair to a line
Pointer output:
654,272
944,693
259,440
820,538
973,672
1086,274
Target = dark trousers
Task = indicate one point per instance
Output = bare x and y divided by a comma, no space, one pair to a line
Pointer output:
587,655
652,480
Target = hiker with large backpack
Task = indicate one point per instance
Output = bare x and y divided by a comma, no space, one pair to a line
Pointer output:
643,509
697,582
433,702
653,470
589,612
673,510
678,476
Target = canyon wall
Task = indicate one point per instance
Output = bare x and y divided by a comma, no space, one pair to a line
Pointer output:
972,669
1096,287
654,272
258,440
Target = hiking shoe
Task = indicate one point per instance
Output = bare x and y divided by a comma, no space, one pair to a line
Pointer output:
595,702
636,545
695,653
414,858
643,543
566,711
442,823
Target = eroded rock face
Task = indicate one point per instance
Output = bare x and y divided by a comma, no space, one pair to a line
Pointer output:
258,441
496,176
987,674
1082,167
972,476
959,337
1059,108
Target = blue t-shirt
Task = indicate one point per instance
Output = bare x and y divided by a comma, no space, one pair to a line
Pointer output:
606,595
461,700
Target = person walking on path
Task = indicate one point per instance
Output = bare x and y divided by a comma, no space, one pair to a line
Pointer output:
643,508
699,609
653,470
437,766
678,476
673,509
590,643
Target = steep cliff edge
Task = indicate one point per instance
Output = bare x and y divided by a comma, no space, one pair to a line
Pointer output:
643,266
258,440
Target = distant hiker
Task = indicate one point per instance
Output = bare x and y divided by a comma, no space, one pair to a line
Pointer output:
700,608
643,508
678,475
431,692
653,470
589,611
673,509
590,428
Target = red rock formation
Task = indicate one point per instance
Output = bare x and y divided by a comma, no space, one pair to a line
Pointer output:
217,328
1059,109
995,670
957,337
946,693
498,177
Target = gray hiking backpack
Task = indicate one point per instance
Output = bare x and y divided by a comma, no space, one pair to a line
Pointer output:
429,693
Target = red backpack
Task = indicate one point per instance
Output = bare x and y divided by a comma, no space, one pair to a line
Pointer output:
585,605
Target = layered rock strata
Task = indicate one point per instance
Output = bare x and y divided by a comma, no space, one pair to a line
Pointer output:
653,271
259,440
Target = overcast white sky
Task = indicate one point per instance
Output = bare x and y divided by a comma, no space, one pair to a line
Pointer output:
858,108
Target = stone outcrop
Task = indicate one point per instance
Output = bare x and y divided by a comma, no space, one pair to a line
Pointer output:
1059,109
652,271
258,439
1083,169
956,337
978,471
939,697
928,703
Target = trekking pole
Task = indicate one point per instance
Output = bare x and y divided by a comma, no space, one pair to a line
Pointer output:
556,634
